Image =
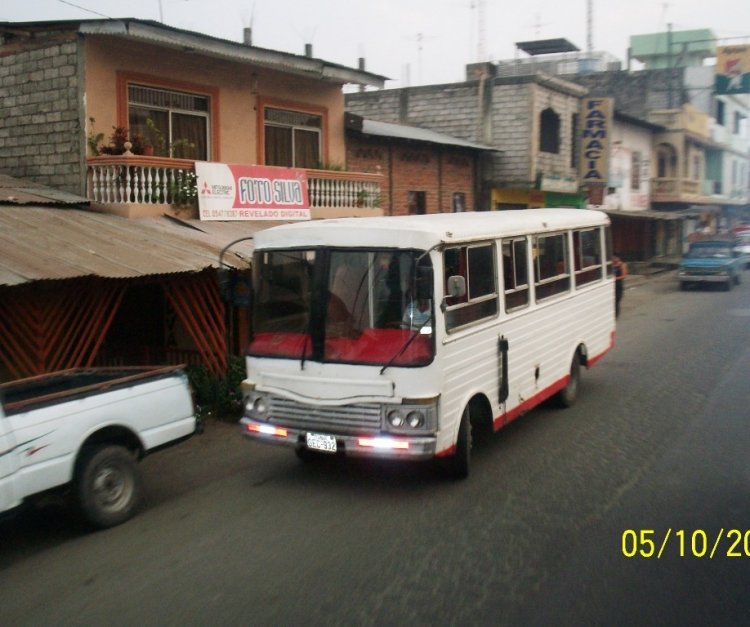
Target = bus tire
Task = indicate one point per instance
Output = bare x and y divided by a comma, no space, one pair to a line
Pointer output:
457,465
569,394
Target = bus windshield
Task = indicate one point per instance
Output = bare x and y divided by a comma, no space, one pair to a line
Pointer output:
370,307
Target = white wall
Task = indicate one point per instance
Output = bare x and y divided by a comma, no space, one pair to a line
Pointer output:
628,139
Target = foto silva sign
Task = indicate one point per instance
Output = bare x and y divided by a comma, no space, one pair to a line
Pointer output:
251,192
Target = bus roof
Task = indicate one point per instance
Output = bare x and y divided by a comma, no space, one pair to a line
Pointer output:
422,232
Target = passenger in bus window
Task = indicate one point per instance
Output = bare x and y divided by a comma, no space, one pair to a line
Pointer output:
417,314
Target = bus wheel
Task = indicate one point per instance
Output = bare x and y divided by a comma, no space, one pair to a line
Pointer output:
569,394
457,465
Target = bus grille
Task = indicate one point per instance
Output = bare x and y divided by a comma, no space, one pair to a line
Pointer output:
343,419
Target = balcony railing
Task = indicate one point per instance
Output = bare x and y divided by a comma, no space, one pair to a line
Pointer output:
675,187
332,189
127,180
133,179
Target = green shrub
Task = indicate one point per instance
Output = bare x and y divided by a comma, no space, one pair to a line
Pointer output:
218,397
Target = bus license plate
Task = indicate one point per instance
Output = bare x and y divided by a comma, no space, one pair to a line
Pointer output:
320,442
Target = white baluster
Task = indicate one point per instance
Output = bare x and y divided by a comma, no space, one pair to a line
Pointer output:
109,182
124,184
95,183
157,188
312,191
135,183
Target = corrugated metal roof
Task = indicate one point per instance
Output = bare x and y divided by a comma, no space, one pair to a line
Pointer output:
645,214
38,243
194,42
413,133
22,192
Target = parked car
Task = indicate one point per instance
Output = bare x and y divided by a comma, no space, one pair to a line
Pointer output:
711,261
742,246
85,430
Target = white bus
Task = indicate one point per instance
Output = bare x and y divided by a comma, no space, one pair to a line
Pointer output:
398,336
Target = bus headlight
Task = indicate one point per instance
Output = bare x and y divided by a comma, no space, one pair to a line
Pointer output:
256,406
413,417
395,418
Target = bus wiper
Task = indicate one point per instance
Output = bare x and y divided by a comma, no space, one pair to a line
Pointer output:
406,345
304,350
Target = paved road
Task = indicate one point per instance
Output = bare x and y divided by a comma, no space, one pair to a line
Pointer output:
240,534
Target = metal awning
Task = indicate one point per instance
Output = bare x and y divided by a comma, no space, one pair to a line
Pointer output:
645,214
197,43
390,130
16,191
38,243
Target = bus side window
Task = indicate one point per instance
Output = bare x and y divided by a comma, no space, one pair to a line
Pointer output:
552,274
454,263
476,263
587,256
515,273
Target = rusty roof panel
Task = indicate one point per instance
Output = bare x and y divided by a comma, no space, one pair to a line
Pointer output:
38,243
16,191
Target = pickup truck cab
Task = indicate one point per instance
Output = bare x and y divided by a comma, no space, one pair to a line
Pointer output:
84,430
711,261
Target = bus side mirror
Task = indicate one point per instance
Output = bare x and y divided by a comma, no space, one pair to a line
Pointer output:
456,286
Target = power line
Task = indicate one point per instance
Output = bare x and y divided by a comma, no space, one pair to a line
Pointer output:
109,17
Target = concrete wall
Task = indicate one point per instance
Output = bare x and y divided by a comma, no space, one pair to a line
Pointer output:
40,126
636,93
627,139
51,85
502,113
237,92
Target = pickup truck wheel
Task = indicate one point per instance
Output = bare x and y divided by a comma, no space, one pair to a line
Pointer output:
107,485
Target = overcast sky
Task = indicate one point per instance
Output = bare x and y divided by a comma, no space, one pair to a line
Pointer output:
411,41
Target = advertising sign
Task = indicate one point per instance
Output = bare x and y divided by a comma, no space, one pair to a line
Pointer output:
733,70
597,126
251,192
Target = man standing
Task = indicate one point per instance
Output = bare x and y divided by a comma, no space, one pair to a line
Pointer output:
621,271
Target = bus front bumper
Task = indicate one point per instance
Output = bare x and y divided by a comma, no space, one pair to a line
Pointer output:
372,445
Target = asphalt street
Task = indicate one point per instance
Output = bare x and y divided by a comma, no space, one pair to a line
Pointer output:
236,533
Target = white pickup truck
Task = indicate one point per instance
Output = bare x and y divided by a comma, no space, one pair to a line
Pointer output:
85,429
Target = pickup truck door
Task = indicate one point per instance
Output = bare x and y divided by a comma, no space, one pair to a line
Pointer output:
7,498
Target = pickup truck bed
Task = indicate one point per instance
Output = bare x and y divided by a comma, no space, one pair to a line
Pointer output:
85,429
46,389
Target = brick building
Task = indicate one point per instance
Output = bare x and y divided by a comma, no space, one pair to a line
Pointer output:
423,171
530,121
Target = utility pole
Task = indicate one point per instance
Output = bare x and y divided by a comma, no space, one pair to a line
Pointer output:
481,30
669,65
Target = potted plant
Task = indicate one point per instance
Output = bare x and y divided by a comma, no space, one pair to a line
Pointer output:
117,140
93,139
183,149
154,139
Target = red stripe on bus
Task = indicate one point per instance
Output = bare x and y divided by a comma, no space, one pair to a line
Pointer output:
537,399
